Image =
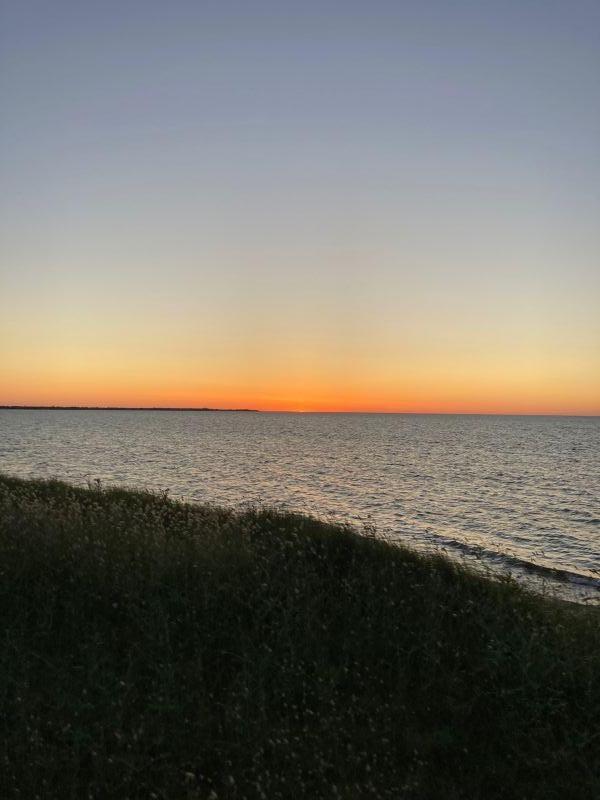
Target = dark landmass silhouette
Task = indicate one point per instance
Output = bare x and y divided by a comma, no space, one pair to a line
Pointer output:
126,408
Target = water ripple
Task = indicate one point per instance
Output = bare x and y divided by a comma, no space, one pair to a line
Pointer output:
515,490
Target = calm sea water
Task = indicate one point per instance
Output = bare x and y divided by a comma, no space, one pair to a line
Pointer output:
521,494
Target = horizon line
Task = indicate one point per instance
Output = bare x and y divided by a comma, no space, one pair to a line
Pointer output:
20,407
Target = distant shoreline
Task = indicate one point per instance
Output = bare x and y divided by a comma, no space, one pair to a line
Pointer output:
123,408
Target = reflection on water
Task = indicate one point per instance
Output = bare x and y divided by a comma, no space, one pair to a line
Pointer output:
518,491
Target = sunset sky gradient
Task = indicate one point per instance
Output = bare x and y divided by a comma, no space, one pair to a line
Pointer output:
379,206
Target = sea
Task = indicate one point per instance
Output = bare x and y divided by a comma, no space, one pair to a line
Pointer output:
517,495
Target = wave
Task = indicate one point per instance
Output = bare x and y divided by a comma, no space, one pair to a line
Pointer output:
508,560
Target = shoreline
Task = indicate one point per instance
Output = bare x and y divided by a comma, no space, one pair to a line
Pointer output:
560,582
125,408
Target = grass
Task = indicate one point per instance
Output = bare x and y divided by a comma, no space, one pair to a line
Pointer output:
152,649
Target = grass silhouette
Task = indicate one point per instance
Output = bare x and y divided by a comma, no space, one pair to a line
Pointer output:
154,649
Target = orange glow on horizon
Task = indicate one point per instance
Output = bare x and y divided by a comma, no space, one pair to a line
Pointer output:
285,376
315,401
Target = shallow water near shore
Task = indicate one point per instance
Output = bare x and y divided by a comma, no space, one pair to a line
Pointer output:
518,494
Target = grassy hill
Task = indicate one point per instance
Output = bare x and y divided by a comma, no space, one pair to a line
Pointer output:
152,649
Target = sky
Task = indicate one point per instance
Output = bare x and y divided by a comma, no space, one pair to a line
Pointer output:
316,205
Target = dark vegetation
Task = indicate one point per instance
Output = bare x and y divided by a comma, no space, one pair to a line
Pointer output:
152,649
